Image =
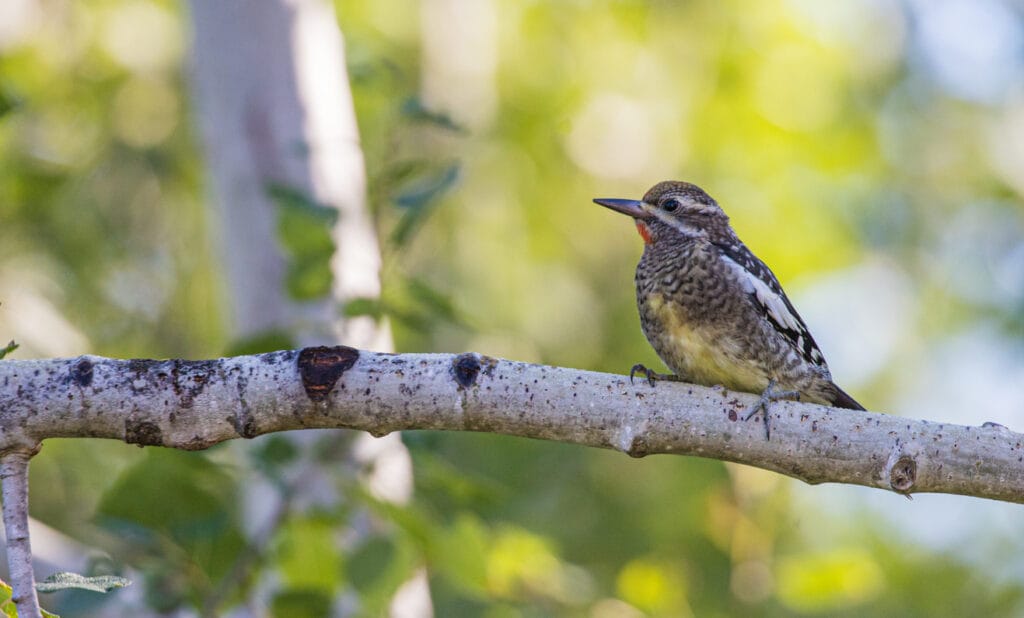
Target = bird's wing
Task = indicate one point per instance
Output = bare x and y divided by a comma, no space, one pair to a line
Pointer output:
764,290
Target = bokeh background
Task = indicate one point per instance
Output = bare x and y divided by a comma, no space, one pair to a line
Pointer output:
870,151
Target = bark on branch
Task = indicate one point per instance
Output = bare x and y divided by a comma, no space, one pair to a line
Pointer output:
196,404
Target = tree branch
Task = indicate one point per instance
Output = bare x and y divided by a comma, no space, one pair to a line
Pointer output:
196,404
14,477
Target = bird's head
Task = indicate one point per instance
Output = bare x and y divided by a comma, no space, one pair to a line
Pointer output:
670,210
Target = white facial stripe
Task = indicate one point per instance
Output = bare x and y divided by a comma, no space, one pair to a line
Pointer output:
680,226
704,207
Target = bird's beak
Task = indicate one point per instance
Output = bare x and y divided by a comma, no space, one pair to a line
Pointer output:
633,208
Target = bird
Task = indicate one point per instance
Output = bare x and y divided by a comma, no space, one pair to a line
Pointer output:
713,311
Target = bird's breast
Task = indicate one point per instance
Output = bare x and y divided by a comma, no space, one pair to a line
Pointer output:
695,350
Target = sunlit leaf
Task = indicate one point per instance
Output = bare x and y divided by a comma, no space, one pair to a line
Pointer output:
653,586
308,555
522,562
818,583
7,600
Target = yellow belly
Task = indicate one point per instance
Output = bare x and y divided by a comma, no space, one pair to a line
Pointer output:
700,354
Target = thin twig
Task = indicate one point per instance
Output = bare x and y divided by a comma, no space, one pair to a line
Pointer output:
14,477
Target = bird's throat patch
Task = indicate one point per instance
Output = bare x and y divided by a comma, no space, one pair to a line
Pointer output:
645,232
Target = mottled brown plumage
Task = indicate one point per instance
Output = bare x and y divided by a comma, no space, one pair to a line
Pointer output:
712,310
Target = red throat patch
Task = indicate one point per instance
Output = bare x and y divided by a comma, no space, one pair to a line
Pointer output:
645,232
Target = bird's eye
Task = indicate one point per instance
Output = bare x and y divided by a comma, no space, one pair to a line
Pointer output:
670,204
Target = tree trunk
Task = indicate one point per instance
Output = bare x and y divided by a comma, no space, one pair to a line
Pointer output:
275,109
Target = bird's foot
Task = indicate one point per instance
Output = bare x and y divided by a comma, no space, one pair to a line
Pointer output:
651,374
767,397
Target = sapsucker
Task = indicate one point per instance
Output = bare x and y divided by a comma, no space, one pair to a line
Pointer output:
714,312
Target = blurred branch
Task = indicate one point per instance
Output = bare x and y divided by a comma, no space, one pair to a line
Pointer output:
14,476
196,404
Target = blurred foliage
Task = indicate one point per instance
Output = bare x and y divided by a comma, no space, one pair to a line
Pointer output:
181,530
869,150
304,229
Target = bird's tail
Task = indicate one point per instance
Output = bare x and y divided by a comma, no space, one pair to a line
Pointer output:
841,400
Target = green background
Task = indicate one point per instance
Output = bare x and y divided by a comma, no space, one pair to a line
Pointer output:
869,151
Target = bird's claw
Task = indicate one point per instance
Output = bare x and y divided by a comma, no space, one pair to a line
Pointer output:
767,397
651,375
641,368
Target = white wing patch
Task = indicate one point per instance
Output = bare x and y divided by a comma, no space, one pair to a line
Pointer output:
768,298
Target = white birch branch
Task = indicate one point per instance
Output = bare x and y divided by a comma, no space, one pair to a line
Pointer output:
14,478
196,404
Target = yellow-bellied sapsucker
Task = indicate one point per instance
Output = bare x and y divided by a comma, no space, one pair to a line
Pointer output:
714,312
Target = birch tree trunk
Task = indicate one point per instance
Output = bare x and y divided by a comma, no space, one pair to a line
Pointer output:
275,109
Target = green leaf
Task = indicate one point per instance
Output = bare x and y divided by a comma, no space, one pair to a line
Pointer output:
401,171
300,604
308,556
428,189
172,498
276,450
419,199
304,229
370,562
309,278
414,109
7,607
364,306
825,582
460,554
378,567
9,101
7,349
434,302
295,200
64,581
